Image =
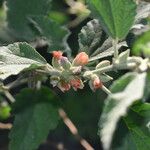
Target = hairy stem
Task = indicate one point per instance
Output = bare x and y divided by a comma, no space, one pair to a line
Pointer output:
9,96
107,91
116,53
104,69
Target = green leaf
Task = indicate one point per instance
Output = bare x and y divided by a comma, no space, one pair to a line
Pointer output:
118,103
33,122
91,37
59,17
4,111
133,132
16,57
140,132
18,13
116,16
55,34
142,45
143,109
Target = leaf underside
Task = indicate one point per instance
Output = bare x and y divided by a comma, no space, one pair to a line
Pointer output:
16,57
118,103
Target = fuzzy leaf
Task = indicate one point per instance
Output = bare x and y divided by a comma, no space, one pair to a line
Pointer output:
133,132
124,56
116,16
91,37
102,64
55,34
118,103
102,52
32,123
18,13
140,133
16,57
143,11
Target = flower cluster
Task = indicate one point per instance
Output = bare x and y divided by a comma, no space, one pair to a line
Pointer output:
69,74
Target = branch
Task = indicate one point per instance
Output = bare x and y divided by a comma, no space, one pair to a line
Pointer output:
5,126
74,130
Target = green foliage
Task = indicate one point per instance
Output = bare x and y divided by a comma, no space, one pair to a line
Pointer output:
117,104
116,16
124,122
4,112
18,56
93,40
133,132
142,45
33,122
55,34
106,50
143,11
18,13
59,17
138,125
91,37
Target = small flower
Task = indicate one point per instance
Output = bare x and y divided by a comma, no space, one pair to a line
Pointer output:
57,54
63,86
81,59
76,83
95,82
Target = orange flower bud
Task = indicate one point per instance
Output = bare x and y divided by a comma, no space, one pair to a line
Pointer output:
97,83
57,54
81,59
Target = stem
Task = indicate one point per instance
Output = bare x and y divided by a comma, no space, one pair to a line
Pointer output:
38,85
113,67
9,96
74,130
31,80
16,83
5,126
116,53
107,91
103,70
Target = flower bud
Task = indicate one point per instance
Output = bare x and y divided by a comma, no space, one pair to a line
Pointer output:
76,83
57,54
95,82
64,86
81,59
